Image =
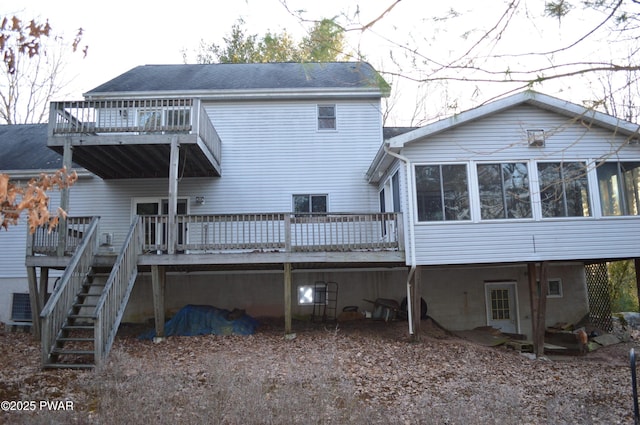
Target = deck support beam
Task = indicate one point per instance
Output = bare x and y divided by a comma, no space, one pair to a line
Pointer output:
67,156
416,302
636,264
538,297
158,283
33,299
287,298
174,159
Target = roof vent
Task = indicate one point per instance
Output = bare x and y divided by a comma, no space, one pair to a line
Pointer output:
535,138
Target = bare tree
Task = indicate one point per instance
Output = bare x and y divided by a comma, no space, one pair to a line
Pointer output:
34,60
492,51
21,46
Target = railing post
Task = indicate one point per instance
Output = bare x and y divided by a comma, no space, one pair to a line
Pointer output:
287,233
64,200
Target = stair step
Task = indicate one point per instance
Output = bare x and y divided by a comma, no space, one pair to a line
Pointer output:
62,351
80,316
78,327
86,294
75,339
84,305
69,366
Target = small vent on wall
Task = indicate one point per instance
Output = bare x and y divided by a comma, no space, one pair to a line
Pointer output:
535,138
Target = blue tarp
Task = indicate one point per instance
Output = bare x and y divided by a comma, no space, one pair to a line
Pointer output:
207,320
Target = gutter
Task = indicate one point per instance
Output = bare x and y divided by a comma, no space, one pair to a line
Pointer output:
412,257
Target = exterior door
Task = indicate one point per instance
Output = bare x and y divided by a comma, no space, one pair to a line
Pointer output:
502,310
155,231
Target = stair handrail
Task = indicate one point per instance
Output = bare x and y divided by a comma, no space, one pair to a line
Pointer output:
55,312
111,304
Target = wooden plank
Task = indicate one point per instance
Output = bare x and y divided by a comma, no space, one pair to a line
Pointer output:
533,298
33,298
158,282
287,298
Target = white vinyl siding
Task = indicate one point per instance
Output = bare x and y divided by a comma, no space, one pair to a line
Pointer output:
502,138
270,151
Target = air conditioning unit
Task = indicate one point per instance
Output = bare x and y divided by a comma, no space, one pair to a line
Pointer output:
106,239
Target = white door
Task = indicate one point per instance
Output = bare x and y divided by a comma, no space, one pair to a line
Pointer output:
502,311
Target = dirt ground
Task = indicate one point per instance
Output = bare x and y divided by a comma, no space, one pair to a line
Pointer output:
360,372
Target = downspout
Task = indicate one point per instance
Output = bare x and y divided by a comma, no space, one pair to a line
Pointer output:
412,256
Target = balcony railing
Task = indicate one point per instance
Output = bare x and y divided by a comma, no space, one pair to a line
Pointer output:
64,238
134,117
284,232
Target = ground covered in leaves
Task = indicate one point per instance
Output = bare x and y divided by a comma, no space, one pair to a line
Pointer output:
357,372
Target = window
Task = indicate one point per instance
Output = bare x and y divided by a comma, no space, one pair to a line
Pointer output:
326,117
309,204
312,294
554,289
564,189
504,190
619,184
395,191
442,192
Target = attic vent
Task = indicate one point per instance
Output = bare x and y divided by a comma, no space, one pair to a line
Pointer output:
535,138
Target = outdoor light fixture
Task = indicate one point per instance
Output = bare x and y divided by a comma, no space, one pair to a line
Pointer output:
200,200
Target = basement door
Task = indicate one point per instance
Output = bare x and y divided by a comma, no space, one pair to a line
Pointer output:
502,309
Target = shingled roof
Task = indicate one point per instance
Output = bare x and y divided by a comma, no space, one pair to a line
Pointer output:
24,147
358,76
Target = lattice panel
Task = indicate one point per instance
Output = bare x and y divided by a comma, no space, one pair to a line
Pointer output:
598,291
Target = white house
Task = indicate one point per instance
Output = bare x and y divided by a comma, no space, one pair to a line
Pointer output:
523,180
271,188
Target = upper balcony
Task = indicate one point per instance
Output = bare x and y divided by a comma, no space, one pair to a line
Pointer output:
131,138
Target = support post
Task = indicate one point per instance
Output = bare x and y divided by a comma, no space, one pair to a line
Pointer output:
287,298
416,303
172,224
533,300
44,286
542,304
158,283
33,299
636,264
64,200
538,299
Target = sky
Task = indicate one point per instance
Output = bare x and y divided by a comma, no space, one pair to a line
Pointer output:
121,35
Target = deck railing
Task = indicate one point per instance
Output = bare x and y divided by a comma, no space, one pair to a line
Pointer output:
55,312
285,232
46,241
110,307
134,117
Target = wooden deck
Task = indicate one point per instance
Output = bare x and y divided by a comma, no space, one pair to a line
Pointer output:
227,240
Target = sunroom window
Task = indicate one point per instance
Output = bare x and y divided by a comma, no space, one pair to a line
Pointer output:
442,192
564,189
504,191
619,184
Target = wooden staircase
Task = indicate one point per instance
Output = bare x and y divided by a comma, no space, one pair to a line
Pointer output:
75,344
81,318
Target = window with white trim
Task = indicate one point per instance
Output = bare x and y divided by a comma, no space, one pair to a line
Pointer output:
564,189
326,117
619,185
504,191
554,288
307,203
442,192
